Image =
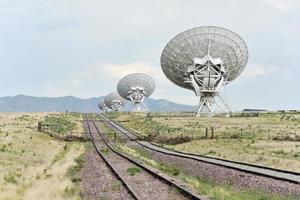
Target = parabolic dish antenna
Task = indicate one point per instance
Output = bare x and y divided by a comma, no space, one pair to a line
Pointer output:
114,101
135,87
204,60
102,106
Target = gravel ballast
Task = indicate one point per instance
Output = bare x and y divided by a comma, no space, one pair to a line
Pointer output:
146,186
98,182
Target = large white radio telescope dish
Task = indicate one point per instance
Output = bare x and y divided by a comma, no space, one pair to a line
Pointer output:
114,101
102,106
204,60
135,87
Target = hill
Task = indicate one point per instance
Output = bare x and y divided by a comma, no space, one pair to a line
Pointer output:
23,103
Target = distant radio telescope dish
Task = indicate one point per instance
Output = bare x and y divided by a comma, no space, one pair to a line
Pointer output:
102,106
114,101
204,60
135,87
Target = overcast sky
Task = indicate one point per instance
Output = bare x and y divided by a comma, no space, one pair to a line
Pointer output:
83,47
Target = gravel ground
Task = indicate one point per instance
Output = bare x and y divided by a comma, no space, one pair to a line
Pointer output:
219,174
144,185
98,182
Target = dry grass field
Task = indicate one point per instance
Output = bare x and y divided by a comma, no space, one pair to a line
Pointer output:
271,140
34,165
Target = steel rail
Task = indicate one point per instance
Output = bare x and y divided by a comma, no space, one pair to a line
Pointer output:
109,165
171,182
274,173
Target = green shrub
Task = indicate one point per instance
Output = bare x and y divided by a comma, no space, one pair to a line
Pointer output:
280,152
116,186
174,171
72,171
11,177
133,170
3,148
296,155
211,152
59,123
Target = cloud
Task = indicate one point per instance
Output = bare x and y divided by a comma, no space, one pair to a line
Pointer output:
119,70
257,70
283,5
102,77
112,73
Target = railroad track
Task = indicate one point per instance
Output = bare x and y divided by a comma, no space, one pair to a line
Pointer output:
154,177
278,174
117,175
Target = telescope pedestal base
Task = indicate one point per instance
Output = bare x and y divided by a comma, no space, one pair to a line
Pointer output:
139,107
207,105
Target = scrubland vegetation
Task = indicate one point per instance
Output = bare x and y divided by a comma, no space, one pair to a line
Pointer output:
271,139
34,165
63,124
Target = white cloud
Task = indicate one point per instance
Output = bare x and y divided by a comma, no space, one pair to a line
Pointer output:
112,73
119,70
102,77
283,5
256,70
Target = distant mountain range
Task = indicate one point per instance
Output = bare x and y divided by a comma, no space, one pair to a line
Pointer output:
23,103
